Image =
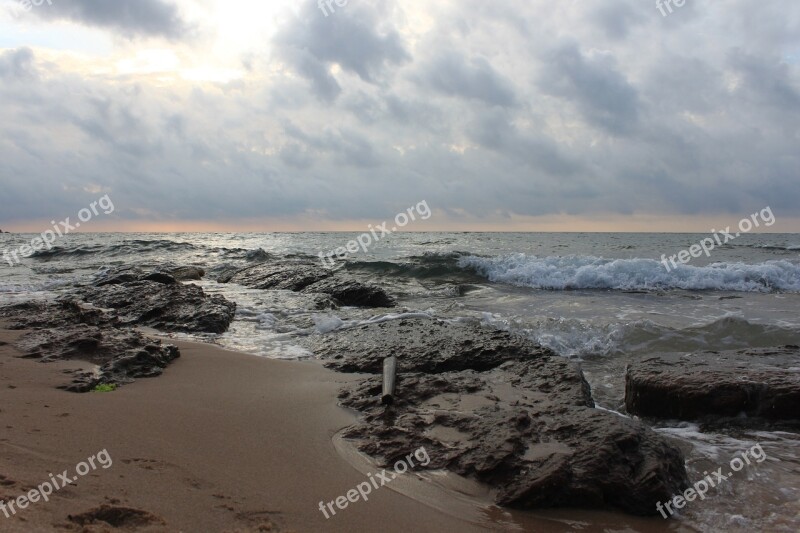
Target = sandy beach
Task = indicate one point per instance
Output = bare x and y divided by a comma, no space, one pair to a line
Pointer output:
221,442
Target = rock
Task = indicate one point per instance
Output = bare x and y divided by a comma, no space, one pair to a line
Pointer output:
759,383
504,411
37,314
119,275
422,345
351,292
298,275
160,277
168,307
257,255
281,276
187,273
122,355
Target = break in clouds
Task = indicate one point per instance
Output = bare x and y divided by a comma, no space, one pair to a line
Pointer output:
483,109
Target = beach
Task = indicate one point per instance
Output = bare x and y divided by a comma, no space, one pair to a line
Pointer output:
221,442
242,384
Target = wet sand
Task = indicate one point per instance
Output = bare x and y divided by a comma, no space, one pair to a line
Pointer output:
221,442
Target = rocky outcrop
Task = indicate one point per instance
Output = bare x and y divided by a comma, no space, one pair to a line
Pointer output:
156,299
502,410
298,275
121,355
758,383
168,307
422,345
39,314
88,324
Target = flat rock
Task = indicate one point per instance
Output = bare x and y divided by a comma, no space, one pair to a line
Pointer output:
422,345
755,383
502,410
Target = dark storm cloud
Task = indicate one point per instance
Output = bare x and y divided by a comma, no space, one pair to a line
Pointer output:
601,92
493,131
153,18
604,109
349,38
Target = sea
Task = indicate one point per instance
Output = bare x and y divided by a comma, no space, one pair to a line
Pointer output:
602,299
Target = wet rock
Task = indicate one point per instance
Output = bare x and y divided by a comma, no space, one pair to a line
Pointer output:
122,355
279,276
757,383
187,273
117,276
422,345
351,292
257,255
164,306
504,411
40,314
310,278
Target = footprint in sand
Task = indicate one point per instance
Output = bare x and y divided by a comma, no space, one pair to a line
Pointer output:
164,467
262,520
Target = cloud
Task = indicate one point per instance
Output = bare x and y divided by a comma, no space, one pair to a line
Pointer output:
601,92
16,65
349,38
581,110
150,18
453,75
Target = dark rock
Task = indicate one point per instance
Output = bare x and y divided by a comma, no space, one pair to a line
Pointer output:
351,292
283,276
118,275
257,255
160,277
758,383
122,355
226,273
187,273
128,274
37,314
297,275
422,345
504,411
168,307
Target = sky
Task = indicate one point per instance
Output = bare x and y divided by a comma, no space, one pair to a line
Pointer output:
510,115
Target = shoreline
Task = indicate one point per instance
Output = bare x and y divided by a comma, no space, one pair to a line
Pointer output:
222,441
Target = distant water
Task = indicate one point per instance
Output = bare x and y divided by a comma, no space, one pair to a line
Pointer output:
603,299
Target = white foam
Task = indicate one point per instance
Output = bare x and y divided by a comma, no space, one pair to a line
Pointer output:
327,323
588,272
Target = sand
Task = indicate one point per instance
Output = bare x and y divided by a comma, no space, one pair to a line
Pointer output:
222,441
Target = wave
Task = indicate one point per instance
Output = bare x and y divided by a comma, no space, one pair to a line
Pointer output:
779,247
573,337
426,266
587,272
132,247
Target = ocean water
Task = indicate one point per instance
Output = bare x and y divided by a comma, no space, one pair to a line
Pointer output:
602,299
